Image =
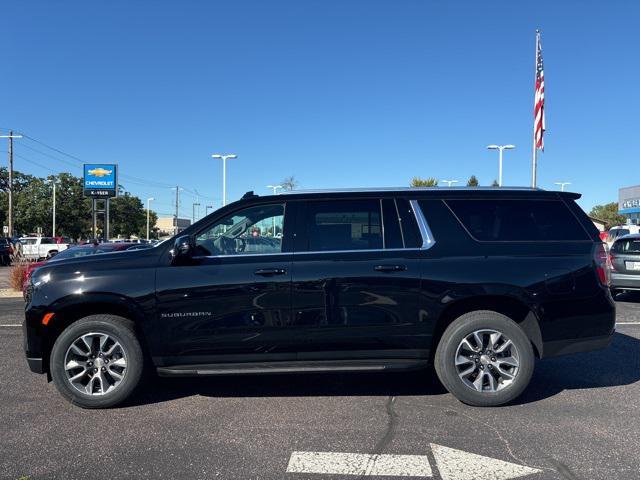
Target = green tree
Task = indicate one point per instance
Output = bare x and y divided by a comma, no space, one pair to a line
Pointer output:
473,181
608,213
127,216
73,210
495,183
424,182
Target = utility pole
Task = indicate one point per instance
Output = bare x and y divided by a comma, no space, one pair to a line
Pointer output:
177,189
11,136
53,228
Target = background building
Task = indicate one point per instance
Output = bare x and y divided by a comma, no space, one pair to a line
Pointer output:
167,225
629,203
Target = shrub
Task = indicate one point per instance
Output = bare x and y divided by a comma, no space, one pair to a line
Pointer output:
16,277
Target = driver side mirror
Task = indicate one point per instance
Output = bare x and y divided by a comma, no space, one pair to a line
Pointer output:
182,248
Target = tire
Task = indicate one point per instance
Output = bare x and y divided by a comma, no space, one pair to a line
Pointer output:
451,347
105,390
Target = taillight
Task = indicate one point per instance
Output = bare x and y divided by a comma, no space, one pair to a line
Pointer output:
10,249
601,260
612,265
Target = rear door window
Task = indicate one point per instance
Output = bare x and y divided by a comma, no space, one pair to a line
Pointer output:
505,220
338,225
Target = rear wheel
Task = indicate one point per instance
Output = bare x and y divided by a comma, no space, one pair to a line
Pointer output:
484,359
97,362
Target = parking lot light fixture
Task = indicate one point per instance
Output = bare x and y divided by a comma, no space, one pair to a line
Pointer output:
224,159
500,149
275,188
449,182
562,185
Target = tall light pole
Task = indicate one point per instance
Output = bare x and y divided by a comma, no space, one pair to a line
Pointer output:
52,181
449,182
562,185
148,207
500,148
11,136
224,159
206,209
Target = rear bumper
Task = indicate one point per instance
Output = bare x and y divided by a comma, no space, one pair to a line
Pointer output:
576,345
623,280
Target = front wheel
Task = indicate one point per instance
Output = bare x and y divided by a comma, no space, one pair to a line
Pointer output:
97,361
484,359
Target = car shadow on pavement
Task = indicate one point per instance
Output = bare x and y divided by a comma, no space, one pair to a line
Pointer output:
419,382
618,365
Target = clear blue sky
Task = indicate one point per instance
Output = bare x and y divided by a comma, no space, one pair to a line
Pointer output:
338,93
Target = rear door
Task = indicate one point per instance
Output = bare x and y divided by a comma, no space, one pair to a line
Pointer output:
354,284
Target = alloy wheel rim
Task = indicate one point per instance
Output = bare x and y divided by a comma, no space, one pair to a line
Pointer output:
95,364
487,361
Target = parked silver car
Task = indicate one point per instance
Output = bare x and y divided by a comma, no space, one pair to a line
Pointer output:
625,263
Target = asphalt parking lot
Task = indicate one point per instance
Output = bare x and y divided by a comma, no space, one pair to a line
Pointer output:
579,419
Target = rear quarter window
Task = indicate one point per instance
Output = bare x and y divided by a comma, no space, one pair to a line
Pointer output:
512,220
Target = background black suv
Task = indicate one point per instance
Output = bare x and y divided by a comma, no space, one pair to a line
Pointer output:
476,281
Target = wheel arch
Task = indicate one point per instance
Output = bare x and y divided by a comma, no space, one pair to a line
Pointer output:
69,311
512,307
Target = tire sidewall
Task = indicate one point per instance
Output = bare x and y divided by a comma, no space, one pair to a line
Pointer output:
448,345
131,346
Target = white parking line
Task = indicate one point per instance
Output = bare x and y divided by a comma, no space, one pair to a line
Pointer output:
627,323
360,464
11,325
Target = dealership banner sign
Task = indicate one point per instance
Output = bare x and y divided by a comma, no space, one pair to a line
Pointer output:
100,180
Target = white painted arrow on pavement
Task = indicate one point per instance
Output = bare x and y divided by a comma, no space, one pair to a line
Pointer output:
452,464
459,465
359,464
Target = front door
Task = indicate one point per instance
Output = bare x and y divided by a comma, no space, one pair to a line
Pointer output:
232,302
355,287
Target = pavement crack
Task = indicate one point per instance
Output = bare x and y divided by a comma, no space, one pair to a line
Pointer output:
498,434
390,431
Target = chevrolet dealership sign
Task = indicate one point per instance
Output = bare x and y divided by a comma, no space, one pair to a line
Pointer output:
100,180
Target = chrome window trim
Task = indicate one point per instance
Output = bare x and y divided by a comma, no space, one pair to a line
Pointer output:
315,252
427,237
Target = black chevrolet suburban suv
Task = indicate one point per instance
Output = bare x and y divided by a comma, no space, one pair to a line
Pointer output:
476,282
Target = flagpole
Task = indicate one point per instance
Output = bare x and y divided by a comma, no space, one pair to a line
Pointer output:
534,153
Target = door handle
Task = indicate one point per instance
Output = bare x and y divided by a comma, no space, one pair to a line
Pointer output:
390,268
268,272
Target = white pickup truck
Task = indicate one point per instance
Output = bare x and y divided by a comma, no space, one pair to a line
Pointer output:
36,248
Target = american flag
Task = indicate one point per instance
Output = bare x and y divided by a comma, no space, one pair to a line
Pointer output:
539,124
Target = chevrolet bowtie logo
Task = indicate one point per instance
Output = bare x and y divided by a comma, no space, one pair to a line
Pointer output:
99,172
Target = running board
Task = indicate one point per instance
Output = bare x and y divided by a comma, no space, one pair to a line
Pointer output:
290,367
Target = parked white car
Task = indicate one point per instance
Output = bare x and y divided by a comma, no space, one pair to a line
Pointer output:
36,248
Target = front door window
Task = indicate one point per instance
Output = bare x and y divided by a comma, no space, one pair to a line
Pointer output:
253,230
